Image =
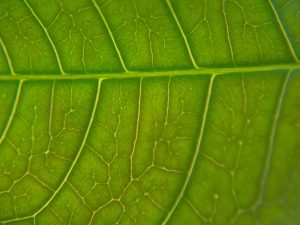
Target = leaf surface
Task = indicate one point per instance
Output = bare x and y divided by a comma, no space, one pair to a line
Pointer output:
149,112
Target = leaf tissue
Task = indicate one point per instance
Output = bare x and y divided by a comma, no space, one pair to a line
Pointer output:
150,112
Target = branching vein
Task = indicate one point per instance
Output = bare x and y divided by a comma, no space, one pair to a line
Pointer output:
195,156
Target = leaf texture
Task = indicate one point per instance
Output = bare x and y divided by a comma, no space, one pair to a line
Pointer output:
149,112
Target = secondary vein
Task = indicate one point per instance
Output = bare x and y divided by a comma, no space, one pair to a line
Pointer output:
288,41
7,57
170,7
48,36
271,147
73,163
110,34
196,153
13,112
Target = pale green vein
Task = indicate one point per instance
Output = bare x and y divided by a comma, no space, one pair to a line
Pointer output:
48,36
131,74
290,45
13,112
7,57
182,33
270,151
227,31
74,161
196,153
110,34
80,149
195,210
136,129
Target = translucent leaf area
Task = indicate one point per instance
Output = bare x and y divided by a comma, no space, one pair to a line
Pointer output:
179,112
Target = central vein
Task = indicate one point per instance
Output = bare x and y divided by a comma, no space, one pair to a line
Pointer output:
129,74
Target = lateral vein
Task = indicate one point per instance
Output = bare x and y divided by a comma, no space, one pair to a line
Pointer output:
13,112
48,36
288,41
170,7
73,163
110,34
196,153
7,57
270,150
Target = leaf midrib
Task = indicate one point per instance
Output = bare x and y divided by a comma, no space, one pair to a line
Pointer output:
130,74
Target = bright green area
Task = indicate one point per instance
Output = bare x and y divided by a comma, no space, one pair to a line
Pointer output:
149,112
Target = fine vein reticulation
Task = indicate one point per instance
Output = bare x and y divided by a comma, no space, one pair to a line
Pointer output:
197,120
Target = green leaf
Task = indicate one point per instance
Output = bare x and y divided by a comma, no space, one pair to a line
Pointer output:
149,112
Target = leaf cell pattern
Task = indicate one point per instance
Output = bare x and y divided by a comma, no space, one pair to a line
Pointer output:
149,112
